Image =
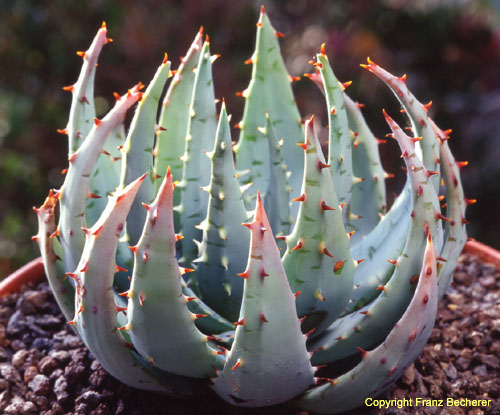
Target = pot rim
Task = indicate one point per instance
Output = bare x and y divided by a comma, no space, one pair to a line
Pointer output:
33,271
485,252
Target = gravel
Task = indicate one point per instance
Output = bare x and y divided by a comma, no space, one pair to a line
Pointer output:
45,369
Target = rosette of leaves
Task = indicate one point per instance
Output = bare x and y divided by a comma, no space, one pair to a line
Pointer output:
322,298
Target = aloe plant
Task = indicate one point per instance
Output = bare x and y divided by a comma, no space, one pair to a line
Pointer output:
321,278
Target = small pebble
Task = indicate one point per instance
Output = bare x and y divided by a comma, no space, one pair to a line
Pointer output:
40,385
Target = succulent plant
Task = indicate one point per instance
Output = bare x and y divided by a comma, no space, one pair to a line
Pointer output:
322,298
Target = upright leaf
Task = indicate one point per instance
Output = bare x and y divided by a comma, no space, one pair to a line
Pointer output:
224,246
264,368
196,170
269,91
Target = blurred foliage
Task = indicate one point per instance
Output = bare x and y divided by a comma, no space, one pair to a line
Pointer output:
450,50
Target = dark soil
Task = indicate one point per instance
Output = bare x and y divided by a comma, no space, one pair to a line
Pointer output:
45,369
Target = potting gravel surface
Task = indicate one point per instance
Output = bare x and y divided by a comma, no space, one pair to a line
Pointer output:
45,368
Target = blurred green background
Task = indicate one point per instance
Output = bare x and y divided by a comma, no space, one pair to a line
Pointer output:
450,50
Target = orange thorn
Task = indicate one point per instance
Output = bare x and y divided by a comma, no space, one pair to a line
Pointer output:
346,84
236,365
303,145
279,34
441,216
120,309
393,261
263,273
119,199
82,54
240,322
299,245
72,275
297,293
324,207
249,61
320,165
244,275
97,121
57,232
128,294
301,198
362,351
263,317
380,288
326,252
69,88
323,49
470,201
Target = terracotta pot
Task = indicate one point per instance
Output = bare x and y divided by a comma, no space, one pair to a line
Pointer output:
485,252
31,272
